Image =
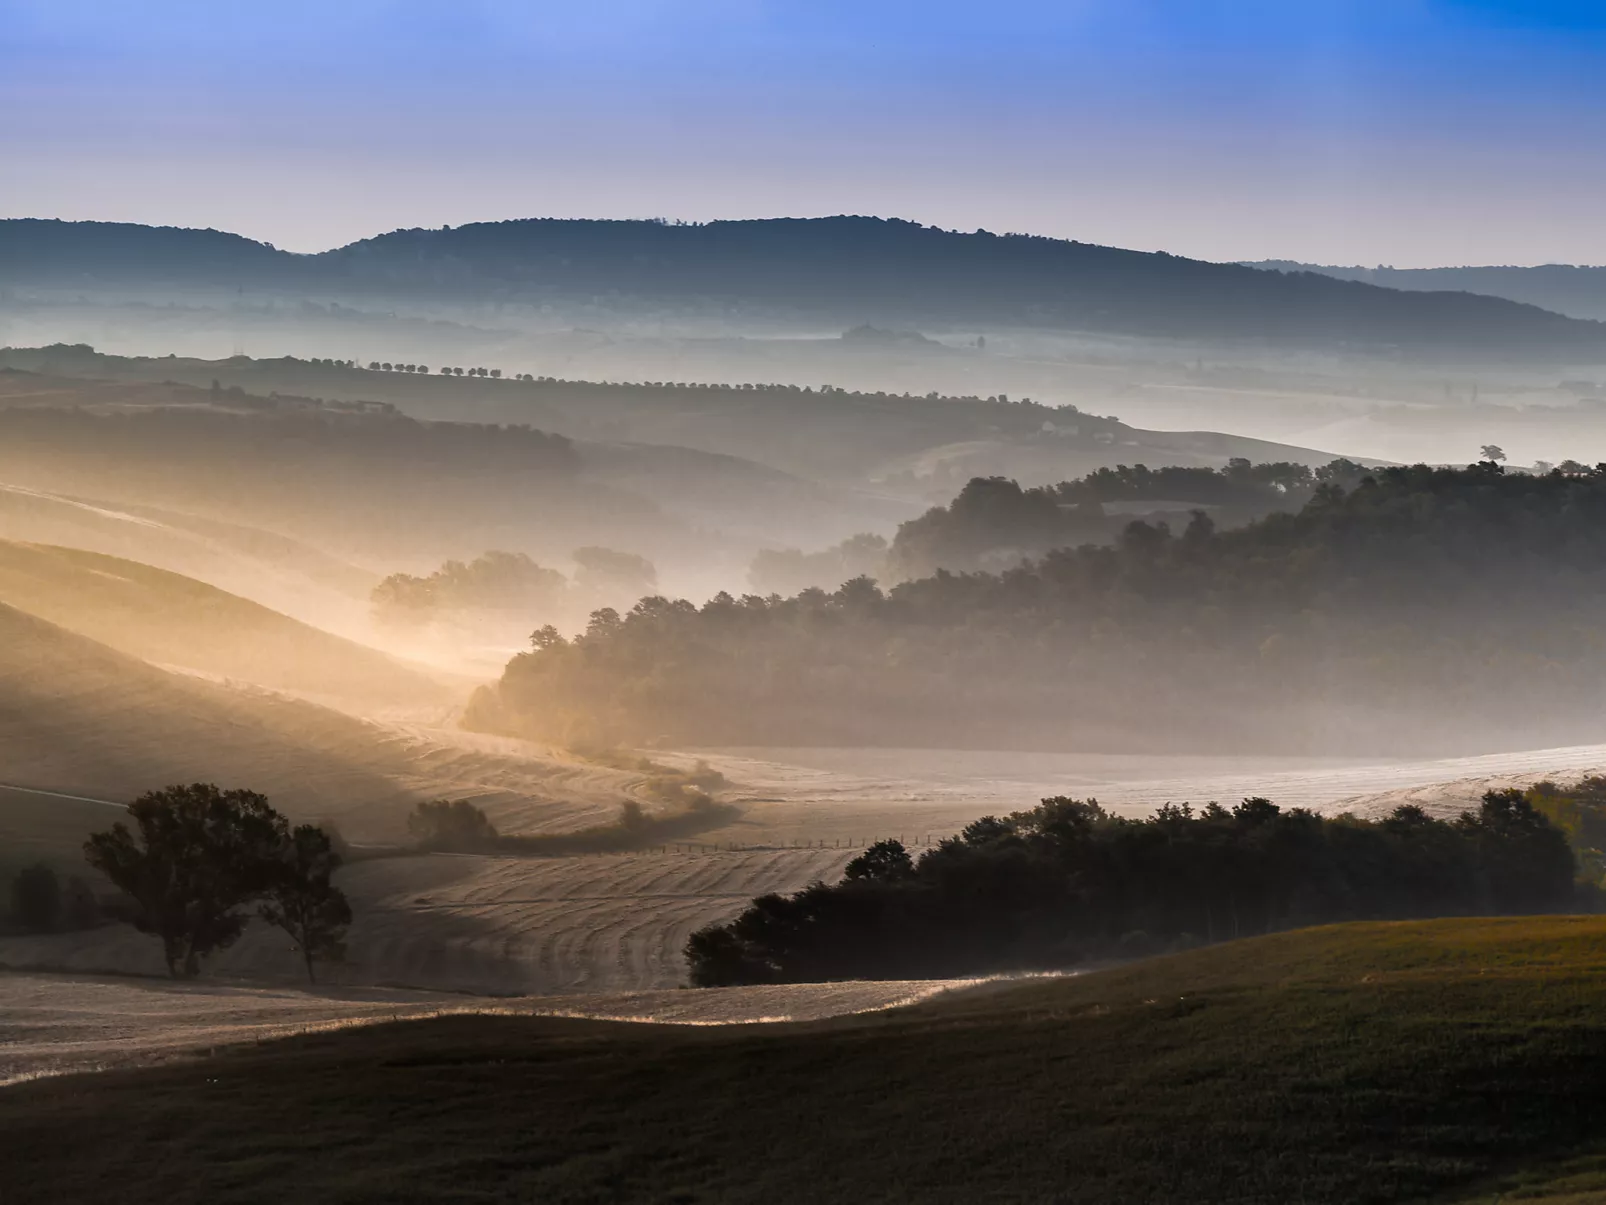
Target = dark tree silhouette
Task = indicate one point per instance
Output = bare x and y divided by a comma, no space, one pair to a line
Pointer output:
1067,882
885,861
201,853
303,901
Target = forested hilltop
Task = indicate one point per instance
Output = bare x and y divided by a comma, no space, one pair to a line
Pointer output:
841,270
994,523
1576,289
1422,610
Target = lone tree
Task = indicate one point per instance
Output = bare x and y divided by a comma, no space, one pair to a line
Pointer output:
1493,453
200,856
36,898
304,902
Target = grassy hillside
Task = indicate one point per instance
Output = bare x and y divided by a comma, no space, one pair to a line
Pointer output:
174,620
1361,1063
79,717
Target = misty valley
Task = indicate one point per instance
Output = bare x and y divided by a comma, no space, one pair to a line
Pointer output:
653,678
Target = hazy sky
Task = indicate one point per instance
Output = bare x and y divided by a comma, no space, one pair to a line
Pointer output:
1374,131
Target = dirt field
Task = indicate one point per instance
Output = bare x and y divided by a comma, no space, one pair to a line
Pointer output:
813,794
501,926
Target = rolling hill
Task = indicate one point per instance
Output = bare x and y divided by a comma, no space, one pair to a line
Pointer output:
169,619
683,445
843,271
1361,1064
359,481
1578,290
84,719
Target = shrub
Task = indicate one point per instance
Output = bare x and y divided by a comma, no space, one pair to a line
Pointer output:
451,826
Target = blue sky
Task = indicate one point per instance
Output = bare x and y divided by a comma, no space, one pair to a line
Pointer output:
1371,131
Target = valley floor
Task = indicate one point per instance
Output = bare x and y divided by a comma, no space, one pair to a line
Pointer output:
541,926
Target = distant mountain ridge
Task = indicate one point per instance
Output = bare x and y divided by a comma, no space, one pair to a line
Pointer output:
842,271
48,249
1577,290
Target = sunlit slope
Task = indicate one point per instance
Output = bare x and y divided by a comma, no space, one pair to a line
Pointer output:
284,574
1354,1064
79,717
174,620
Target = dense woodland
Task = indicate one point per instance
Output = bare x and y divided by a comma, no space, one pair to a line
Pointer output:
1576,289
842,270
994,523
1423,609
1067,882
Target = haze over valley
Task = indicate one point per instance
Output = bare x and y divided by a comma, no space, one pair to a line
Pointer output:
340,561
882,683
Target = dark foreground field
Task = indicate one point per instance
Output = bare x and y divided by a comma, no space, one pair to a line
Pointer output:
1383,1062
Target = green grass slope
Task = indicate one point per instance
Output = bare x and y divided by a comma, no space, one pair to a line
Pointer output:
1360,1063
170,619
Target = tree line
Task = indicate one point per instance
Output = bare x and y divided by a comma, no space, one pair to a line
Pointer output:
1421,609
514,584
1067,882
687,796
994,523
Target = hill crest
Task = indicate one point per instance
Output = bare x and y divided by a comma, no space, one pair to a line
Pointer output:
844,270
